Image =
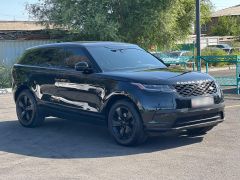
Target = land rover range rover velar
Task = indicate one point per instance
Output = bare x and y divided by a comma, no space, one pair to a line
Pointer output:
133,91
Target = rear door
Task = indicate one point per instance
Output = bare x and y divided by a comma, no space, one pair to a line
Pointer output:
45,66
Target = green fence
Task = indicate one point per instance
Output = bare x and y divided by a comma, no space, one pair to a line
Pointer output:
225,80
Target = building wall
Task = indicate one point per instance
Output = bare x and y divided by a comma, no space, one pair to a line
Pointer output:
20,25
205,41
10,50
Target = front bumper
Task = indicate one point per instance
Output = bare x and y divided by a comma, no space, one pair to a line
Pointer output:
182,119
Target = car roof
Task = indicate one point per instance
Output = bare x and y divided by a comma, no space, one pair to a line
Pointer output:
85,44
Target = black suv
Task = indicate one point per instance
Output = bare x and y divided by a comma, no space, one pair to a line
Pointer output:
120,83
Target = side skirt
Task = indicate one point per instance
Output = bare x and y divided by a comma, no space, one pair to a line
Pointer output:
72,114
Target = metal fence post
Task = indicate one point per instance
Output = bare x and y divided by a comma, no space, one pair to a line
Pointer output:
237,76
207,67
198,35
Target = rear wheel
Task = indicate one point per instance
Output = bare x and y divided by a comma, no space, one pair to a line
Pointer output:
28,112
125,124
199,131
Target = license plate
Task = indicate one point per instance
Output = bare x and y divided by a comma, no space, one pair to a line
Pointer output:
202,102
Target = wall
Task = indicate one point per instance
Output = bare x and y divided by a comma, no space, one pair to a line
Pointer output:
205,41
10,50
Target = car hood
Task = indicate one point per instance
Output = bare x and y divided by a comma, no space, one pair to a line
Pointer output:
158,76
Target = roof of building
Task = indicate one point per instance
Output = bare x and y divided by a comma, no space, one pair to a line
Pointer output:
231,11
20,26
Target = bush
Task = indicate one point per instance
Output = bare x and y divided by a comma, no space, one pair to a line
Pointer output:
5,77
236,52
235,44
215,52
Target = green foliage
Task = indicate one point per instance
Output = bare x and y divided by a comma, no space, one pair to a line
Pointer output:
235,44
206,11
5,77
215,52
236,52
145,22
227,26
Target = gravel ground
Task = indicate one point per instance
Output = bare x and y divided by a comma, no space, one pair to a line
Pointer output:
64,149
223,73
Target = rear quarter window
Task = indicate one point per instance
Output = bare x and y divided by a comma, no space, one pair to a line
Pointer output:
44,57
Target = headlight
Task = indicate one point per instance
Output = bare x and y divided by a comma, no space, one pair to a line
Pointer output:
219,89
217,85
150,87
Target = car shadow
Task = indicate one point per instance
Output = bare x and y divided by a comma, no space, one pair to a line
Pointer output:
64,139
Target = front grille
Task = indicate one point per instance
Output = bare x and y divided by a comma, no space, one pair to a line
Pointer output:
197,89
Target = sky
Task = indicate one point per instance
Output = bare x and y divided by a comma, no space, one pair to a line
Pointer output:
15,9
221,4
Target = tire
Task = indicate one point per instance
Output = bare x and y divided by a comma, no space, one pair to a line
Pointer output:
28,112
199,131
125,124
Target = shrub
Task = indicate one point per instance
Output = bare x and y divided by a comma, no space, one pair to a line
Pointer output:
235,44
236,52
215,52
5,77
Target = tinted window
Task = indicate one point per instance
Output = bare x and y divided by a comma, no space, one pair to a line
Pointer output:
28,57
44,57
123,58
73,56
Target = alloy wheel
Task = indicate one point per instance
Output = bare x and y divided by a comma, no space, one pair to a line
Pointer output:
123,123
26,109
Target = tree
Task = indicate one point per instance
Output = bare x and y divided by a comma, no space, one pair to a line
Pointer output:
145,22
227,26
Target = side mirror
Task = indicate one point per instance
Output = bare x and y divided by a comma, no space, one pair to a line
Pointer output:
84,67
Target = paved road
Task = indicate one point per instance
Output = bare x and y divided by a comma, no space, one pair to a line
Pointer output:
223,73
64,149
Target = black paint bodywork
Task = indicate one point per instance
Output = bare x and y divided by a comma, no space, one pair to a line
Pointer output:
69,93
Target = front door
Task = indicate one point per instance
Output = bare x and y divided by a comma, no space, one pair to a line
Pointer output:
77,89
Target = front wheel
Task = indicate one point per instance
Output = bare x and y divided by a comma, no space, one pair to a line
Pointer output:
28,112
125,124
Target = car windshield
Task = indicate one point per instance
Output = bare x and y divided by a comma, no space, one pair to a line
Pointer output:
124,58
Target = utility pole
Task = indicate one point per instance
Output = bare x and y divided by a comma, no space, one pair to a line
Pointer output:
198,34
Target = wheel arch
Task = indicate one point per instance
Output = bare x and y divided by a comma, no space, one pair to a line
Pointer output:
118,97
19,90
